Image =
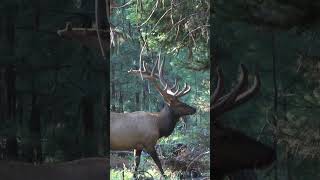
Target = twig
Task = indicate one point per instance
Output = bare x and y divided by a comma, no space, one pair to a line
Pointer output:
140,59
153,10
98,27
145,172
122,6
198,157
160,19
195,29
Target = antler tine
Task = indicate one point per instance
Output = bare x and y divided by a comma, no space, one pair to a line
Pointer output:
175,84
244,86
160,69
144,71
166,87
144,66
154,67
218,91
220,107
246,95
179,93
176,92
186,90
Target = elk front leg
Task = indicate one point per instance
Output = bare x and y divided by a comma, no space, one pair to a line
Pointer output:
153,153
136,161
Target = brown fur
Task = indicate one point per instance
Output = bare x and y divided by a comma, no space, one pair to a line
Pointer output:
130,130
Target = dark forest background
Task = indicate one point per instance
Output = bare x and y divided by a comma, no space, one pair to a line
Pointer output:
50,88
279,39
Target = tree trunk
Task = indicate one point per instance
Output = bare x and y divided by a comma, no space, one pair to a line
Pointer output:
87,116
36,20
8,79
35,130
275,101
120,101
137,101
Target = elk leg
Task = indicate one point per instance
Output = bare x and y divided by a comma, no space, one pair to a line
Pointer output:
137,161
153,153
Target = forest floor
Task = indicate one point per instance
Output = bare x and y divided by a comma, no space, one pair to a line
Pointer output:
177,167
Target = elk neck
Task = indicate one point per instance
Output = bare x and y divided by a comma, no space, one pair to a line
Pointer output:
167,121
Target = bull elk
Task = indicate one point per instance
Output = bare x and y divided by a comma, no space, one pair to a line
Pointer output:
233,150
141,130
83,169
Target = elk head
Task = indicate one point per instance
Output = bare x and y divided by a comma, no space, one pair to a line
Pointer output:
233,150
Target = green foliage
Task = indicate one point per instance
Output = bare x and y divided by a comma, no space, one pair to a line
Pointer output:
184,58
177,28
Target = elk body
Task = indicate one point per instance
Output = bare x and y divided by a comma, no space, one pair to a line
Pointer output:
233,150
83,169
141,130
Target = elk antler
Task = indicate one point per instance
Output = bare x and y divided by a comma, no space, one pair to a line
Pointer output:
237,96
169,93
